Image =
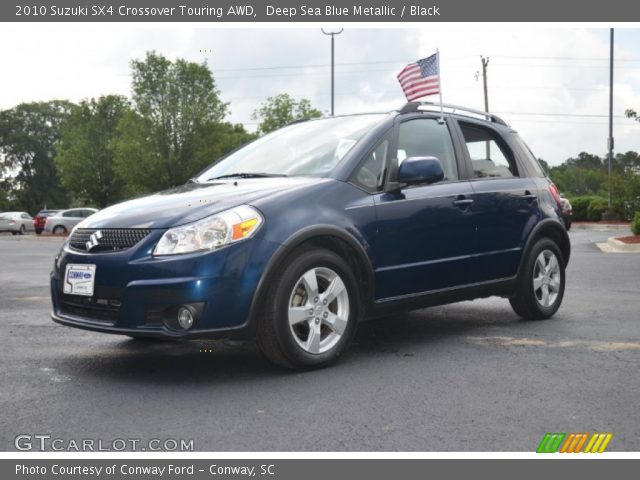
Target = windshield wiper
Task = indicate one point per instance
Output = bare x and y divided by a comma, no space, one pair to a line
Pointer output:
247,175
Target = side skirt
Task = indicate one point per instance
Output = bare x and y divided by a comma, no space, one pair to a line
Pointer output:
387,306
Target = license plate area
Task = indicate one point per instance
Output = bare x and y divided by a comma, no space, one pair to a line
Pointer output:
79,279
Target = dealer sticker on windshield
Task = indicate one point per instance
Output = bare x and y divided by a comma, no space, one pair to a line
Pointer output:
79,279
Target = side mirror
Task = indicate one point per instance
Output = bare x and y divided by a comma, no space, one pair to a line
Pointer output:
417,170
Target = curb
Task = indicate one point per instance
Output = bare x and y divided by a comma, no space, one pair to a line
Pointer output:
614,245
602,227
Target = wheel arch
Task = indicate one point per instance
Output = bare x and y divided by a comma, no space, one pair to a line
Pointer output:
553,230
324,236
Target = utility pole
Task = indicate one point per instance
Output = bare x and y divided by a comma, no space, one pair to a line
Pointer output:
610,139
333,34
485,64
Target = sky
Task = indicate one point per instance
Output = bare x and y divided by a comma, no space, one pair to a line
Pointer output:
550,84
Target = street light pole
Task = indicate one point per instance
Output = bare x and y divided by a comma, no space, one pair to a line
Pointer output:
610,140
333,34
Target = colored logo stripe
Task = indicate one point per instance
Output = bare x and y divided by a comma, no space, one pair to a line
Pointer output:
550,442
598,442
573,442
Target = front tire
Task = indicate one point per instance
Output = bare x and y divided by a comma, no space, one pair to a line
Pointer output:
541,286
311,311
59,230
22,230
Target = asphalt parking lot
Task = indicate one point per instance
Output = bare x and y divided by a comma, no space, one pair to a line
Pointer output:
470,376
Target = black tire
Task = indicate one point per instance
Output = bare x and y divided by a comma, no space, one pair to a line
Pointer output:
22,229
38,231
567,223
14,233
525,302
59,230
274,335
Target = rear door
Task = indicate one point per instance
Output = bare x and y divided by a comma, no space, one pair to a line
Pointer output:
504,202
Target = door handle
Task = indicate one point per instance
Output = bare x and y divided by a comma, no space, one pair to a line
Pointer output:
529,197
463,202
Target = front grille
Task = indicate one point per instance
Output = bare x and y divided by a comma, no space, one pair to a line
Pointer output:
96,309
106,239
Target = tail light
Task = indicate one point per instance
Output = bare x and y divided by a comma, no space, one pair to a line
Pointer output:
554,193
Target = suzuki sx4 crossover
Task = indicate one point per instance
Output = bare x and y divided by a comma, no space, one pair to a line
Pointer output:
300,235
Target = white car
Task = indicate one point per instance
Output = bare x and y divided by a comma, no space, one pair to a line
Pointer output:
64,221
16,223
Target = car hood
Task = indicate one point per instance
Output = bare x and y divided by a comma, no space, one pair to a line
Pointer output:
188,203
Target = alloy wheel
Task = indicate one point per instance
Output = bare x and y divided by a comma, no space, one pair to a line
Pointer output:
546,278
318,310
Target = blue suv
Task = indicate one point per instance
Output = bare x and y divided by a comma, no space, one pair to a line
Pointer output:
295,238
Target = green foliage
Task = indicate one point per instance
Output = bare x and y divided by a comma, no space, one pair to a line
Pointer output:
281,110
596,208
635,225
630,113
85,154
174,129
28,135
580,206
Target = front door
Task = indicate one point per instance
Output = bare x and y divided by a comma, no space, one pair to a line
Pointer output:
425,233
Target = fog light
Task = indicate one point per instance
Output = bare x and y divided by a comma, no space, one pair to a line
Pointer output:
185,318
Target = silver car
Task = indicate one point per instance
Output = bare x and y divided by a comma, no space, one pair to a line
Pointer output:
16,223
64,221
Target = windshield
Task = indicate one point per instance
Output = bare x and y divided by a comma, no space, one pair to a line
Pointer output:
311,148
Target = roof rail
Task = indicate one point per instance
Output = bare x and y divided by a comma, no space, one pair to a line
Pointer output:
416,106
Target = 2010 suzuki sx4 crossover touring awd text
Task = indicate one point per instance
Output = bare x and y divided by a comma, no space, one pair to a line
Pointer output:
296,237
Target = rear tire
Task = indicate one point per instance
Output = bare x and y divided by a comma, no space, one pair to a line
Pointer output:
541,286
59,230
310,311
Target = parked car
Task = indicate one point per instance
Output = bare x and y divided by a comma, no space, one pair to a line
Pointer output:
18,223
298,236
63,221
567,211
40,219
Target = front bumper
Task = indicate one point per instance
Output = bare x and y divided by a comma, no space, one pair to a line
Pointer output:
135,293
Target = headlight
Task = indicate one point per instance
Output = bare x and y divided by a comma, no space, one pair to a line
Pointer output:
212,232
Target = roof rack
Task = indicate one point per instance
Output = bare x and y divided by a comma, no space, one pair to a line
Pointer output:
417,106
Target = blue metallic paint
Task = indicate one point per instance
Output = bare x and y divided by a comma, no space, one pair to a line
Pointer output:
441,242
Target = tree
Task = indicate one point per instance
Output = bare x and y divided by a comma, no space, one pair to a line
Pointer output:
28,135
281,110
630,113
171,132
85,151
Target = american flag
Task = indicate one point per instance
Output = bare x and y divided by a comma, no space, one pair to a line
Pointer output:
421,78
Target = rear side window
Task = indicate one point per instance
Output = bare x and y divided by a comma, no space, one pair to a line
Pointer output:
72,213
533,161
490,157
428,138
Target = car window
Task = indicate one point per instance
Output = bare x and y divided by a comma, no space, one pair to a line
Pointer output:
490,157
428,138
371,173
72,213
87,213
26,216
